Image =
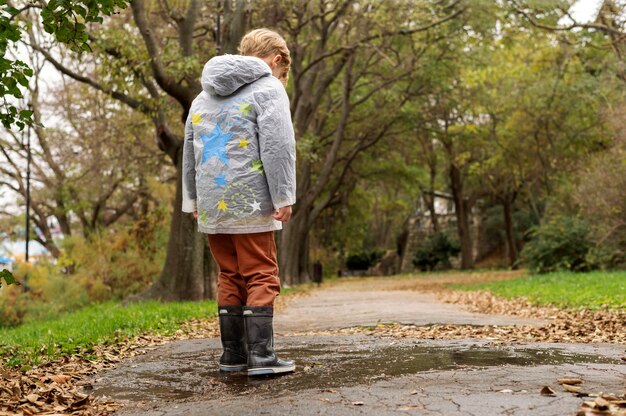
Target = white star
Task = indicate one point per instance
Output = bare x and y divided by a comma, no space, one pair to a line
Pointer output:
256,206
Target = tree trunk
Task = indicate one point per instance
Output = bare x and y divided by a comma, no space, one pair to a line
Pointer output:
507,205
430,203
461,209
293,250
186,274
50,246
189,272
234,26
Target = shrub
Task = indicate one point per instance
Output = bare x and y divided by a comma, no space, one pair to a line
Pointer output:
562,243
114,265
435,251
12,305
108,265
363,260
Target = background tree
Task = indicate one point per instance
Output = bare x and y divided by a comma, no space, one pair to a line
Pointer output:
156,72
93,162
346,62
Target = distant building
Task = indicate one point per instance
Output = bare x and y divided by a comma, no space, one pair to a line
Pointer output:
6,263
16,250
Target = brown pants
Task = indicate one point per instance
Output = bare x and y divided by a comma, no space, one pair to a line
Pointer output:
248,268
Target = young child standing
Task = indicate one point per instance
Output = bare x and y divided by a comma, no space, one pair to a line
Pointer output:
239,181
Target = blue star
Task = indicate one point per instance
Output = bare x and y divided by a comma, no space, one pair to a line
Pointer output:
220,180
215,144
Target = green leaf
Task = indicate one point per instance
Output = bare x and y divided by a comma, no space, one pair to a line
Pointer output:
8,277
26,114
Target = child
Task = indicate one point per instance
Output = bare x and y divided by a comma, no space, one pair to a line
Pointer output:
239,181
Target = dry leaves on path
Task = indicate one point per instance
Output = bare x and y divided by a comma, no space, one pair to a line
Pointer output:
563,325
60,387
604,405
581,326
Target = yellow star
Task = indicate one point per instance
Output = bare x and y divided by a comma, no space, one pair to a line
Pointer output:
196,118
221,205
243,143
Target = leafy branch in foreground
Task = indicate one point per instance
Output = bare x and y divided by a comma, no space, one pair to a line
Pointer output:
64,19
8,278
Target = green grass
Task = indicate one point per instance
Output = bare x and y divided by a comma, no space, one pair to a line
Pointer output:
593,290
79,331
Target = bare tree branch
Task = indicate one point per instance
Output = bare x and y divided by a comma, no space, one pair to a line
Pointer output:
129,101
179,92
574,25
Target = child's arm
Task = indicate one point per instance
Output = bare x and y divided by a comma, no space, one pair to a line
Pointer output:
278,148
189,170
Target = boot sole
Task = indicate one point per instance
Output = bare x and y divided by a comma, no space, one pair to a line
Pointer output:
263,371
232,368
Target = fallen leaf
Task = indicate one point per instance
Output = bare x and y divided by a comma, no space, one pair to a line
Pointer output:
32,398
571,381
602,404
572,389
80,403
411,407
590,404
547,391
29,410
506,391
60,378
358,403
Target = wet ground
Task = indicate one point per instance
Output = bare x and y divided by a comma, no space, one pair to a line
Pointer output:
360,374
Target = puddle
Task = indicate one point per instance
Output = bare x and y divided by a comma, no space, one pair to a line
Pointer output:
319,366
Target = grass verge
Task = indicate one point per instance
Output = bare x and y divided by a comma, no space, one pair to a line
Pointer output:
593,290
102,324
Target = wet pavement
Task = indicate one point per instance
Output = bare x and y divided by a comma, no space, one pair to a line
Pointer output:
364,374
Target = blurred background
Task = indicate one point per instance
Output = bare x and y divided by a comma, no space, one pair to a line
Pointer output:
431,135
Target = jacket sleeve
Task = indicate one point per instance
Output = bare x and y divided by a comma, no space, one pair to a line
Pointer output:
189,170
277,147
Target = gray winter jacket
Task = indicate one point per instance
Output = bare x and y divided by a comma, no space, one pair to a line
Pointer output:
239,153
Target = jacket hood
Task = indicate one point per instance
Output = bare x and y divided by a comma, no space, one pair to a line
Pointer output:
225,74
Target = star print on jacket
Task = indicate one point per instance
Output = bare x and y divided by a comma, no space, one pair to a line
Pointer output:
257,166
256,206
221,205
215,144
243,143
196,118
245,108
220,180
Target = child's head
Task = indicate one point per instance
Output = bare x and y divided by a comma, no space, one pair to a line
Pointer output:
271,47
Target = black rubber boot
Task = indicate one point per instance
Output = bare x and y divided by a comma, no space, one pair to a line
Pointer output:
232,332
262,359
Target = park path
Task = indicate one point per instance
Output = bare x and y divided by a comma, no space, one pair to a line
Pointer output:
370,301
367,375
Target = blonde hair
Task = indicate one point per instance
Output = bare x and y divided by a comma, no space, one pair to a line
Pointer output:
263,43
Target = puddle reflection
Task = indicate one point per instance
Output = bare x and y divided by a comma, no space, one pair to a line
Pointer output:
318,366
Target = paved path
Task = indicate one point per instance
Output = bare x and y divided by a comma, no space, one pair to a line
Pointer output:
364,304
367,375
